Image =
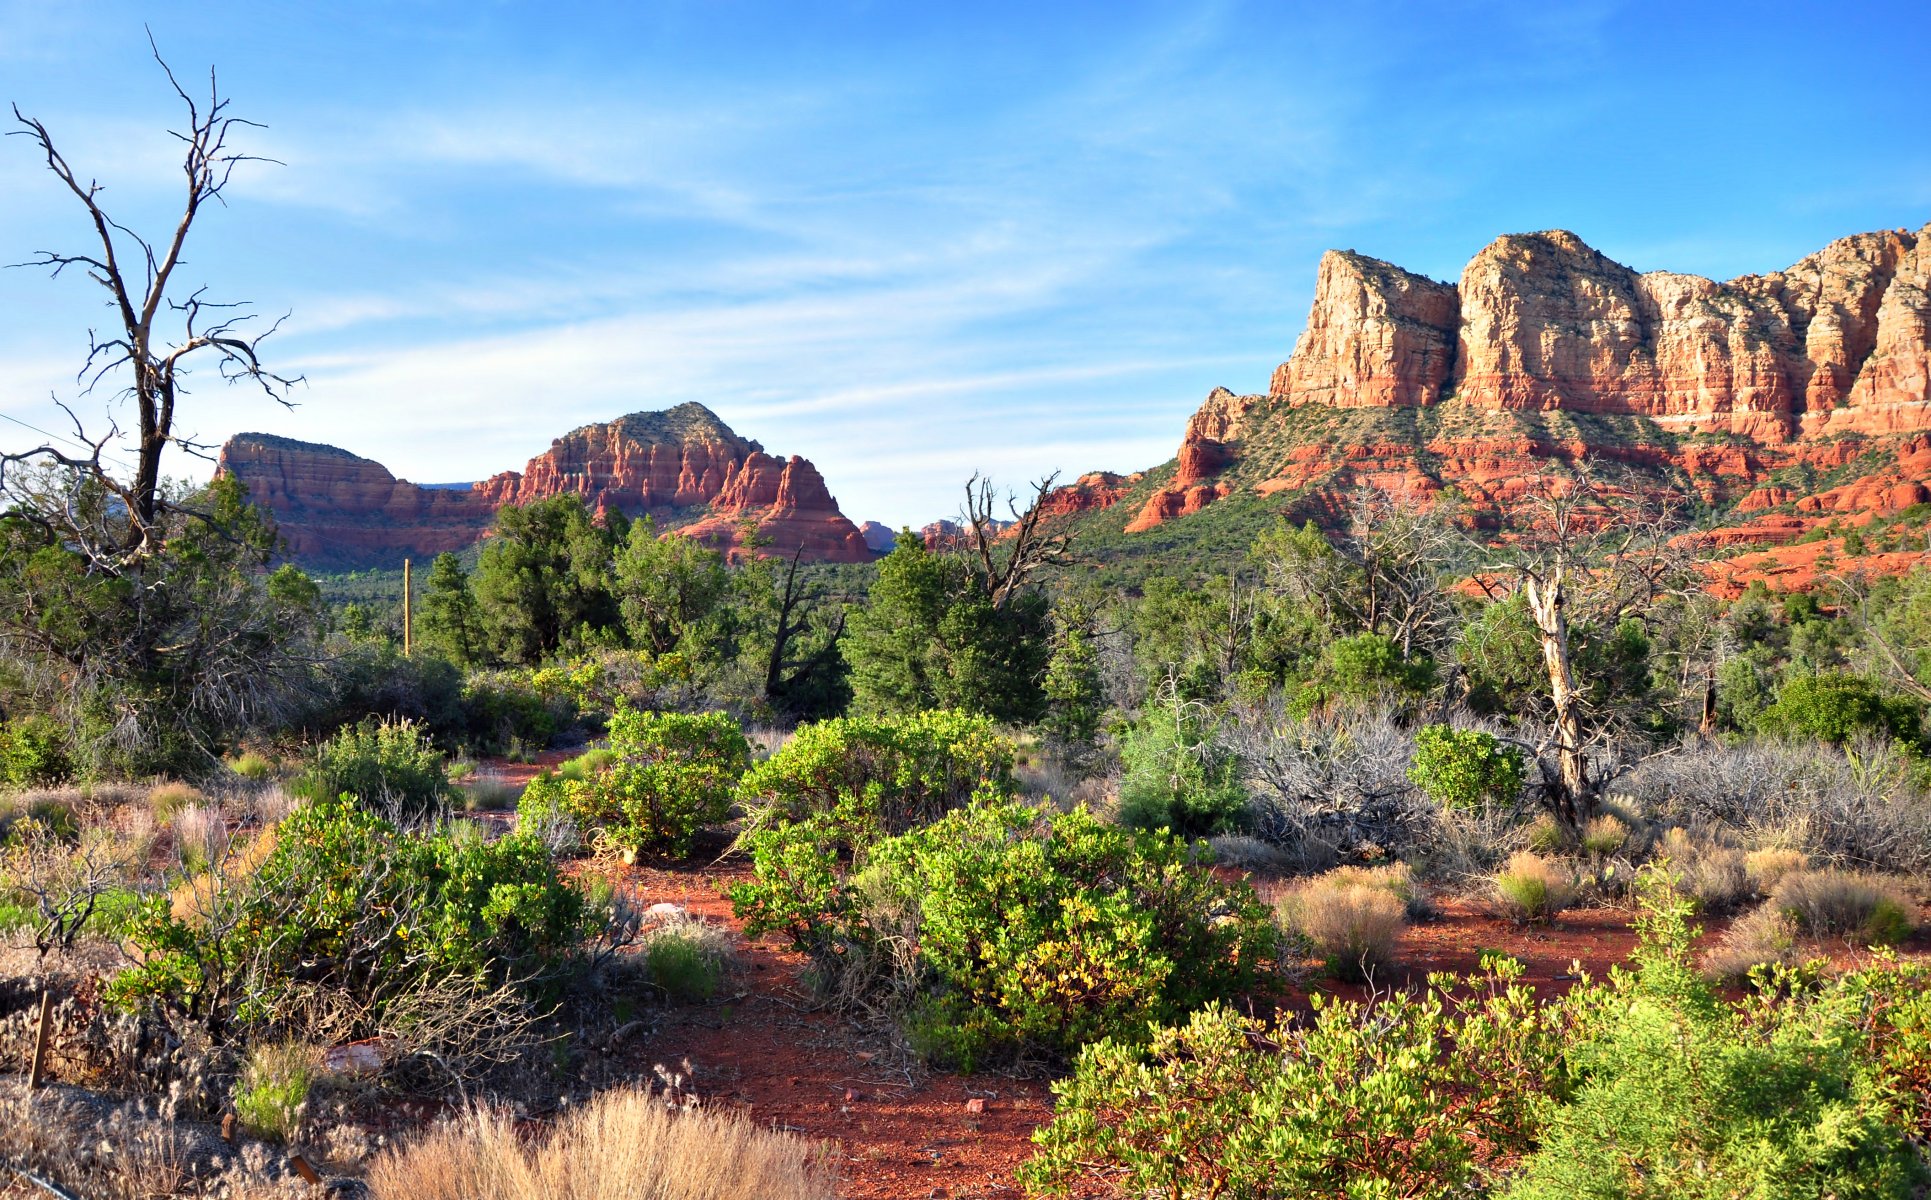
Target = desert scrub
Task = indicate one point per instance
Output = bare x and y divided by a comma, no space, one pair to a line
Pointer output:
1465,768
1827,904
33,753
666,776
271,1093
343,903
1418,1095
1347,919
388,765
1682,1095
1647,1083
1033,933
908,770
1533,889
1176,774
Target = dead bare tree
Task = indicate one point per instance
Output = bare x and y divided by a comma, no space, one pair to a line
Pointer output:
1582,554
159,337
1006,555
1383,574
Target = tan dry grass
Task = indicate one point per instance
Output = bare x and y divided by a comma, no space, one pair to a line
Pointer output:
1349,918
1868,908
623,1145
1533,888
1765,937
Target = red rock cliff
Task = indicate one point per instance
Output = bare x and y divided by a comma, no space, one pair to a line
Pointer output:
338,510
1769,370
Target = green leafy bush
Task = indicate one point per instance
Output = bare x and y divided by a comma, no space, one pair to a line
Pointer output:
346,903
386,763
508,709
911,769
667,776
1035,933
1684,1096
1646,1084
33,753
1465,768
1834,707
1177,776
1415,1096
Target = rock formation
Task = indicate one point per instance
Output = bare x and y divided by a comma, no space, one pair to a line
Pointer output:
1708,387
683,466
340,511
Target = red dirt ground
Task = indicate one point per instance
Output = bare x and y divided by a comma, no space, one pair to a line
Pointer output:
906,1132
901,1131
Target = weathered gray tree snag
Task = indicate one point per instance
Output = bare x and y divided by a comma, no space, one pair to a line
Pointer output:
43,1027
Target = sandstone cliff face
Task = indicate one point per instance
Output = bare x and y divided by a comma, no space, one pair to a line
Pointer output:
786,504
1378,335
1725,382
335,509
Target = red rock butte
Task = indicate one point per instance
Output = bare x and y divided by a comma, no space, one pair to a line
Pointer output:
682,466
1781,400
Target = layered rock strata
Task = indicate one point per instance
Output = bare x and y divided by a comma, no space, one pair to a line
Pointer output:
1716,385
683,466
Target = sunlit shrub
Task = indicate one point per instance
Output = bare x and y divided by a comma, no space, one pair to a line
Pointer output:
908,770
387,764
1034,933
1465,768
665,777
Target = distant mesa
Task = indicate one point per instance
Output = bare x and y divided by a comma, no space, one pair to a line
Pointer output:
1731,395
881,538
682,466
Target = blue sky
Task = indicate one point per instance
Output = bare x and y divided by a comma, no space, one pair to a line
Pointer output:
908,240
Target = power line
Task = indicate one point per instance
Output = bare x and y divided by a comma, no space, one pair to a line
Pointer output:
119,462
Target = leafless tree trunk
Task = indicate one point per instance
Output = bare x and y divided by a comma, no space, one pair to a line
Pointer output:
1006,555
1585,554
138,276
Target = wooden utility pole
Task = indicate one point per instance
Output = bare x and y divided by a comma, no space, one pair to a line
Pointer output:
408,616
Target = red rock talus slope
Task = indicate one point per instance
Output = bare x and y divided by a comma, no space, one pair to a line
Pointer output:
683,466
1785,399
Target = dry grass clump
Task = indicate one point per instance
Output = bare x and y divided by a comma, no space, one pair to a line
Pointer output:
167,799
1532,888
271,1094
252,765
1605,835
489,793
104,1151
1349,918
1716,877
1766,867
1834,903
1765,937
622,1144
687,958
200,836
